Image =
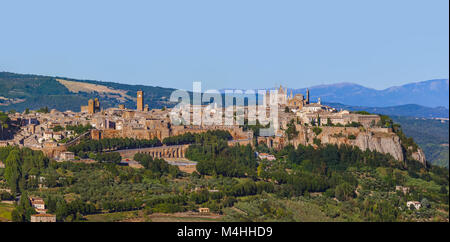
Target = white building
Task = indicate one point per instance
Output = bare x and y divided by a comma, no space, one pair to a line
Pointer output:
417,205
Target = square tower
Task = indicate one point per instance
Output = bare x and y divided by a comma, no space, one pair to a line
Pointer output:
140,101
96,105
91,106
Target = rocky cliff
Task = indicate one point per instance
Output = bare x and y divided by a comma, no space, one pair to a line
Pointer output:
382,140
420,156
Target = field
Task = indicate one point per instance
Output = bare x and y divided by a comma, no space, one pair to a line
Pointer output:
183,164
114,217
139,216
5,212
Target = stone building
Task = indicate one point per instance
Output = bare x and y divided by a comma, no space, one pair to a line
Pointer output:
417,205
66,156
203,210
92,107
43,218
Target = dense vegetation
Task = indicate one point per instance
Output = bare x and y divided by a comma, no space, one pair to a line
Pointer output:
214,156
79,129
21,167
35,91
110,144
431,135
190,138
7,128
159,167
4,124
304,183
330,183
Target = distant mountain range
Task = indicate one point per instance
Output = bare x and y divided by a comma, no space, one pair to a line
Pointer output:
21,91
408,110
432,93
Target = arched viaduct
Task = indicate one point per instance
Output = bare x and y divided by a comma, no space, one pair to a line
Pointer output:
173,151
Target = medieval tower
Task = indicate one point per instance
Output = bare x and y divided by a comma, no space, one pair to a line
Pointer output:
140,101
307,96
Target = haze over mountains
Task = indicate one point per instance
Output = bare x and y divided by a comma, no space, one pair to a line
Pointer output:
19,91
408,110
431,93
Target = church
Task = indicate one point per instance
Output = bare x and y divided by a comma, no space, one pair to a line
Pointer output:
297,102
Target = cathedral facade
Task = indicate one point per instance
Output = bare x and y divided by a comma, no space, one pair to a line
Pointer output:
296,102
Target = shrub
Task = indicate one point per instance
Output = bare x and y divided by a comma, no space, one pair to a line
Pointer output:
317,130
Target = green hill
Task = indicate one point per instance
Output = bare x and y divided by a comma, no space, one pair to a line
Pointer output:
430,134
21,91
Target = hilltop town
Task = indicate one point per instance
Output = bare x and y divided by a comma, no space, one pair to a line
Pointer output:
47,131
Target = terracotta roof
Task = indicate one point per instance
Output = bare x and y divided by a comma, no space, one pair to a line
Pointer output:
44,215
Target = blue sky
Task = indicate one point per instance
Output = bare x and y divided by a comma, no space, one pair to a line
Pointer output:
228,44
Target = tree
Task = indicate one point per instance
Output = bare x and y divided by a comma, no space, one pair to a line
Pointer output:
4,121
425,203
13,170
16,216
43,110
317,130
61,210
443,190
24,210
291,131
344,192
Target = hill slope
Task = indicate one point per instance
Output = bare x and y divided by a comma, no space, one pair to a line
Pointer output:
19,91
431,135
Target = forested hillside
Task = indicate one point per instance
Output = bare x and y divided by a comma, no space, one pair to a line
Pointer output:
431,135
19,91
327,183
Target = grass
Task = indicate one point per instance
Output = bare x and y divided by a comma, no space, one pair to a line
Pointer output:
112,217
183,217
139,216
5,212
305,211
422,185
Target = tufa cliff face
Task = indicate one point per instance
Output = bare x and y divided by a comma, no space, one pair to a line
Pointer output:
419,155
387,143
382,140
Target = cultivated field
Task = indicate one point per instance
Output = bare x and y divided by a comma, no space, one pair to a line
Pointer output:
139,216
5,212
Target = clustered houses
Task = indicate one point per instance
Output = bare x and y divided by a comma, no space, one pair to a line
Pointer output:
42,215
37,129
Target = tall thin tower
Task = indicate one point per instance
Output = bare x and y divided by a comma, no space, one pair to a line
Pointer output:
140,101
307,96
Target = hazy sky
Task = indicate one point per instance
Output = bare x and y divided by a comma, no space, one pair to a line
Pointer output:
228,44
